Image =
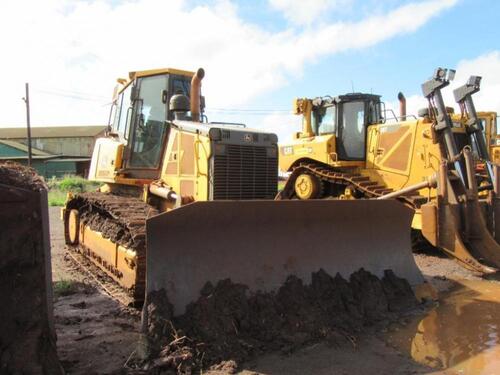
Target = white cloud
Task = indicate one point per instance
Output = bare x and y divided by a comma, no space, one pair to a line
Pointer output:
84,46
282,124
413,104
302,12
486,66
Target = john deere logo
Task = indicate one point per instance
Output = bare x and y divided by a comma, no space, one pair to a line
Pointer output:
247,138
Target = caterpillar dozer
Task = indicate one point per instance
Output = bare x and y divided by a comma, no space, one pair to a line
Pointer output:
348,149
185,201
488,122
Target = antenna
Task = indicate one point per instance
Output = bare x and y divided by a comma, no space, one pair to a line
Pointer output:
352,86
28,123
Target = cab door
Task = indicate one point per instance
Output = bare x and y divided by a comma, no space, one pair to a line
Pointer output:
351,140
148,129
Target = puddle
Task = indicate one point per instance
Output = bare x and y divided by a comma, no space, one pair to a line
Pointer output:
462,334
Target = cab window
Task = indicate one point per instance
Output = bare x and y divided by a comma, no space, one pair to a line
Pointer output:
116,117
374,113
180,86
149,123
122,113
325,120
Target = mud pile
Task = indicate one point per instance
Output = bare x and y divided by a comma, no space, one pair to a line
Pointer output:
27,338
17,175
227,325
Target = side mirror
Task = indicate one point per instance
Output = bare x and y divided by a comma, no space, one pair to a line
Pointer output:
115,94
134,94
202,104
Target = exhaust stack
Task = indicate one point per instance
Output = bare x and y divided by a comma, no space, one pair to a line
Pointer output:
195,101
402,106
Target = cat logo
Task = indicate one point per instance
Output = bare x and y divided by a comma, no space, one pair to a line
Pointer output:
247,137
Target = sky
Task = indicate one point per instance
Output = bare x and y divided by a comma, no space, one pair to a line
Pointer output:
258,55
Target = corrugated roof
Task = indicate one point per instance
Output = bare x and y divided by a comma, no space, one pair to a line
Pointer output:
52,131
25,157
70,159
24,148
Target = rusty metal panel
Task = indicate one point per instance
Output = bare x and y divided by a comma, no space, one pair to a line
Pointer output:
261,243
429,223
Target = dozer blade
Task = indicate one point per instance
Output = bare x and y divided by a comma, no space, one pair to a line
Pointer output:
261,243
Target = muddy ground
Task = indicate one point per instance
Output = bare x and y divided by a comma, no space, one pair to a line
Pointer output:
96,335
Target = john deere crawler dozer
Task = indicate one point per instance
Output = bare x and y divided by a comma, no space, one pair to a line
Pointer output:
185,201
348,150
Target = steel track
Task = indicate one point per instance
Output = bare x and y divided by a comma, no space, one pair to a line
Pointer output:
99,277
128,216
363,184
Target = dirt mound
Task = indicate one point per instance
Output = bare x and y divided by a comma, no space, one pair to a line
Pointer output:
228,325
27,338
18,175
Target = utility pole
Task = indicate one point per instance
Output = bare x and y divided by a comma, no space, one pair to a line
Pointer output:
27,101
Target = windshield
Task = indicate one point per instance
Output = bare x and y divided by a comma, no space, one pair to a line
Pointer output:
324,120
352,131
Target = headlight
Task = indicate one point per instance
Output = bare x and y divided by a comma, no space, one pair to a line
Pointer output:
287,150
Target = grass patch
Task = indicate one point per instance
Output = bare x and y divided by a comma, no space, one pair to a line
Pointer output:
59,187
74,184
64,288
56,198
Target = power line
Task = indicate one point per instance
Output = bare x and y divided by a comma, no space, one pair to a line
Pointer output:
76,95
248,110
251,113
69,96
73,92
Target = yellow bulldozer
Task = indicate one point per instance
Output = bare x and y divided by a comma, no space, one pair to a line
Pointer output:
488,121
185,201
349,150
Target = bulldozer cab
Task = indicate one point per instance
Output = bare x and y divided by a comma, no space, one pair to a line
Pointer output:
347,117
491,131
140,118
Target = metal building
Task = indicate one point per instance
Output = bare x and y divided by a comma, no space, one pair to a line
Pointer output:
56,150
